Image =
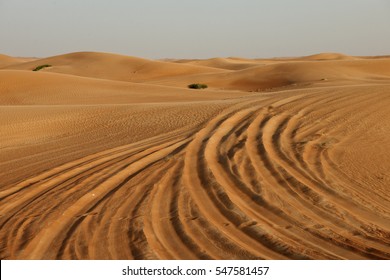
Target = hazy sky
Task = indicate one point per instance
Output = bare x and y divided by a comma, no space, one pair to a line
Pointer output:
195,28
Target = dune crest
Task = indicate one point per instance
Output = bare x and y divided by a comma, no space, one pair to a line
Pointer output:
328,56
291,73
6,61
111,67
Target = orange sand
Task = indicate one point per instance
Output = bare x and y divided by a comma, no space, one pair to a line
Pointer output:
105,156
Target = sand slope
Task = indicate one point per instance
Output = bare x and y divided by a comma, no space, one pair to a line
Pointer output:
42,88
7,61
112,66
291,73
94,166
223,63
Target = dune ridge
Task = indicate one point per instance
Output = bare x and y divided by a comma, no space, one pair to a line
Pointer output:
97,165
291,73
111,66
6,61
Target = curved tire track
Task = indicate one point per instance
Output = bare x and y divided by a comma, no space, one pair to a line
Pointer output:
256,182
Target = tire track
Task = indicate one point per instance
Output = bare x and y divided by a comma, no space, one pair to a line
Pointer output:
257,181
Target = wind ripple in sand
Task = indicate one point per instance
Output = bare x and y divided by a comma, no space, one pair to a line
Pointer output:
257,181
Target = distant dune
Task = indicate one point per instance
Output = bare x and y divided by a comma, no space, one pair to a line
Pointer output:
329,56
104,156
112,67
223,63
6,61
281,74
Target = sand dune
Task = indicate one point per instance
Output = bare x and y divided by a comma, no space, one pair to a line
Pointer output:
223,63
328,56
112,67
95,165
296,73
6,61
42,88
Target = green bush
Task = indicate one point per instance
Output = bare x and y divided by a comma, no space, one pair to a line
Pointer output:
41,67
197,86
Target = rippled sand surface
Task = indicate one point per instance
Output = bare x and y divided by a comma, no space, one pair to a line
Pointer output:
105,156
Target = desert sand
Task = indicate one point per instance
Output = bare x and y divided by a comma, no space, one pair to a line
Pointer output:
104,156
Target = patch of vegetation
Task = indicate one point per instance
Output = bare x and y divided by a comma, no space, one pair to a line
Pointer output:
41,67
197,86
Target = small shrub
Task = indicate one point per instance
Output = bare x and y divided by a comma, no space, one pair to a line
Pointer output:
197,86
41,67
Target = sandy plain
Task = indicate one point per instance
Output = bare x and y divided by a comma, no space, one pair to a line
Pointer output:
104,156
